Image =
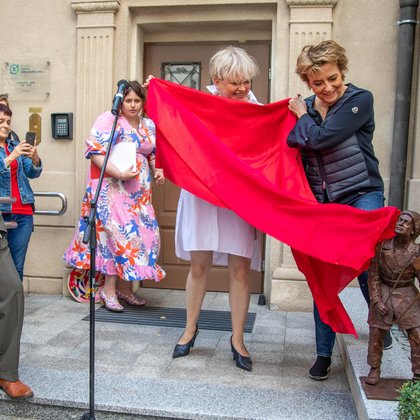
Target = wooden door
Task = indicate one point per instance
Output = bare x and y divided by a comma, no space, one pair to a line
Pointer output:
188,64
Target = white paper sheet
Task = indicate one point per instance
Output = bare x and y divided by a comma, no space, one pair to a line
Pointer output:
123,155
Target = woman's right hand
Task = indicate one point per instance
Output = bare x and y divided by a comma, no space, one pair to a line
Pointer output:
298,106
22,149
112,170
128,174
147,82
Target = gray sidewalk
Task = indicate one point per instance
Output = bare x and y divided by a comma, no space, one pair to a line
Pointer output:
137,378
136,375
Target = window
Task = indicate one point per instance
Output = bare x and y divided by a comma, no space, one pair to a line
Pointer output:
186,74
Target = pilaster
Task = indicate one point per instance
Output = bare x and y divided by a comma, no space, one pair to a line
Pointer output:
310,21
94,88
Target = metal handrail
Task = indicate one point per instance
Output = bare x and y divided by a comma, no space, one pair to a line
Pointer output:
52,212
8,200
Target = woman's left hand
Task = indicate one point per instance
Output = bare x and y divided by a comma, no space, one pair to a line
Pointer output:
33,155
159,176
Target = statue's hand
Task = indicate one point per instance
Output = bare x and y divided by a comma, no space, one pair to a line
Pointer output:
381,308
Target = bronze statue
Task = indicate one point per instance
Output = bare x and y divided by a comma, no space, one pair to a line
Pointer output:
394,297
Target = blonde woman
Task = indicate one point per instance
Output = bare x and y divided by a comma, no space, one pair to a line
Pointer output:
207,234
334,131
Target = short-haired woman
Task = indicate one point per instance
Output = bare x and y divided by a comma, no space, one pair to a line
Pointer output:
334,132
207,234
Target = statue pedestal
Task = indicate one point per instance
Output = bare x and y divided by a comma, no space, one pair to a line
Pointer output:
386,389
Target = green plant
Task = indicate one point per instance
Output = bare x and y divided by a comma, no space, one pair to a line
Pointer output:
409,401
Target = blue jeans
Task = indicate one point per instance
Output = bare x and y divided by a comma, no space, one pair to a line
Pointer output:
19,237
324,335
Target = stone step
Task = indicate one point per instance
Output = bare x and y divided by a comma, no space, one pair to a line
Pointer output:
135,374
64,397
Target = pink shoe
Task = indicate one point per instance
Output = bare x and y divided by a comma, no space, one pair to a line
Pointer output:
131,299
111,302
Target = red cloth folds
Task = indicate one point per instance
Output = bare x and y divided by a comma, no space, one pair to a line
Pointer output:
234,154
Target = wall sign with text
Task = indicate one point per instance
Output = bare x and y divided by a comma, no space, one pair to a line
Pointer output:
26,79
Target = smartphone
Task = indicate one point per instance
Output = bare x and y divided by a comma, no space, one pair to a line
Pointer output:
30,138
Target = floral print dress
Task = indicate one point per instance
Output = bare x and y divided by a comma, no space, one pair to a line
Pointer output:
127,231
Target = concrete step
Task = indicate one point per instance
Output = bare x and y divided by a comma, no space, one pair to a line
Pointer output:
136,376
159,398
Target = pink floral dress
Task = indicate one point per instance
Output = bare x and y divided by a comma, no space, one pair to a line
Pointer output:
128,240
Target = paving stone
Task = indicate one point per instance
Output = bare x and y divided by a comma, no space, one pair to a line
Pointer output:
136,377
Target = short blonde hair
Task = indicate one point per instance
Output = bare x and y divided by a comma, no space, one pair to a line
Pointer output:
313,57
233,63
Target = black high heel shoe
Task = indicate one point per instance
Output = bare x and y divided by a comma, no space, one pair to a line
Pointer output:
182,350
242,362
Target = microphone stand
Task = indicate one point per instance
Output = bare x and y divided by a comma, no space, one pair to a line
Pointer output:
90,237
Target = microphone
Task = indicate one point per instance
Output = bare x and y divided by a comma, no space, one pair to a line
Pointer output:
122,86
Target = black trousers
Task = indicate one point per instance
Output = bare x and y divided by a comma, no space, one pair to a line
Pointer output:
11,313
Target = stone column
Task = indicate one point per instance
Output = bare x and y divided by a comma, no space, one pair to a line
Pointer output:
310,22
94,81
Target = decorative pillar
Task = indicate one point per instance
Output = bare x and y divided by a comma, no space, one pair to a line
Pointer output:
94,83
310,22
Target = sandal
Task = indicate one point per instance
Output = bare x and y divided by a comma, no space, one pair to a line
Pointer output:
111,302
131,299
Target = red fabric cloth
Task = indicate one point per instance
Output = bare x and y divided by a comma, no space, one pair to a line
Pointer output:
95,172
17,207
234,154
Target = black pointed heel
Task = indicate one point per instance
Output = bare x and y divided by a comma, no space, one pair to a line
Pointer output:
182,350
242,362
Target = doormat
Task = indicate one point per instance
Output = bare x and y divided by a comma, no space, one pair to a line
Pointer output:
386,389
170,317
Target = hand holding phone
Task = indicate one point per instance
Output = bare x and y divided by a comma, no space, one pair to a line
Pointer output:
30,138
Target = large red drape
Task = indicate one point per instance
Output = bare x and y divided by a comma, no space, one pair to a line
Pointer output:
234,154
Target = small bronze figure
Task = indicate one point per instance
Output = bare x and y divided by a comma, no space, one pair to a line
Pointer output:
395,298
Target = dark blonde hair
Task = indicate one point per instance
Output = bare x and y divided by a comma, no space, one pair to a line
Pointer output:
313,57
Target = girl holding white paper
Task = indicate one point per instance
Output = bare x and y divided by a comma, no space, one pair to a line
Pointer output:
127,230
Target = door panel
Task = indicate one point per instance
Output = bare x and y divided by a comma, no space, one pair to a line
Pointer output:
165,198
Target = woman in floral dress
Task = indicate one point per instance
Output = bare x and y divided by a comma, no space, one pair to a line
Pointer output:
128,240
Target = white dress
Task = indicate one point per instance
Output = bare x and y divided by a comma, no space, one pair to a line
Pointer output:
201,226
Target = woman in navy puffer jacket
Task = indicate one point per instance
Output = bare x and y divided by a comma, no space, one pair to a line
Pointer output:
334,131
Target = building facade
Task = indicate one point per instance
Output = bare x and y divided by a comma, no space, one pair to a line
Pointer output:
80,49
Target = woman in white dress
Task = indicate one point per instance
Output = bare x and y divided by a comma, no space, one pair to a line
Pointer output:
207,234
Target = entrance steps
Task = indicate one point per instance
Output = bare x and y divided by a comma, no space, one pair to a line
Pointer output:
136,377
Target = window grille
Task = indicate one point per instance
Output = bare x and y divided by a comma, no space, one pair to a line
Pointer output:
186,74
